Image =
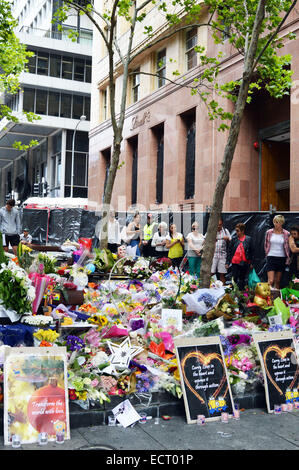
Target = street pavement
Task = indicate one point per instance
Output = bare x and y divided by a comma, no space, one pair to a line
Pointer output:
256,430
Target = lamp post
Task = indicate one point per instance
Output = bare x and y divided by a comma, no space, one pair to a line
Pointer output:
82,118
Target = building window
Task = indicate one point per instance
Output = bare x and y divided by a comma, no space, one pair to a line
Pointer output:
135,85
104,105
67,68
55,65
32,63
79,70
80,164
133,143
161,67
87,108
43,63
88,71
66,105
41,102
56,104
53,108
191,43
78,106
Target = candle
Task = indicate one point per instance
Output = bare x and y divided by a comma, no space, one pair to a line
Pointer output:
224,417
290,406
237,411
201,420
15,441
43,438
60,437
284,407
142,418
296,405
277,409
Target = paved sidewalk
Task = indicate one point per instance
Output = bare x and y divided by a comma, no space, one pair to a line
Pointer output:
256,430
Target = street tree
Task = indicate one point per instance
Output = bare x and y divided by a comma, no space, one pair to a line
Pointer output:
251,26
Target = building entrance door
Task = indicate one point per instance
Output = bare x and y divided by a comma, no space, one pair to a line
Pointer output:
275,172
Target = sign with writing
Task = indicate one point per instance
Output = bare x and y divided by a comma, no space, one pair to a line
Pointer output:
35,394
140,121
280,367
204,378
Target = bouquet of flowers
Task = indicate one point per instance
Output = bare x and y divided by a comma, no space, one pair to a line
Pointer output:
140,270
160,264
243,367
16,291
49,262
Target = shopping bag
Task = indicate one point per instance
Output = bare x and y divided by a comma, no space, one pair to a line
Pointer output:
253,279
282,309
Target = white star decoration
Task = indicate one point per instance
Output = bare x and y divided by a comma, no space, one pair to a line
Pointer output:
122,354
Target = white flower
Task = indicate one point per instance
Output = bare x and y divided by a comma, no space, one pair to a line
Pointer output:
31,293
100,358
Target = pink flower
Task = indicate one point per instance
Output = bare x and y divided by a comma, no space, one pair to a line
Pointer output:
94,382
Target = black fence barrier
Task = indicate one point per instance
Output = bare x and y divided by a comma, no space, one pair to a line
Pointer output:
55,226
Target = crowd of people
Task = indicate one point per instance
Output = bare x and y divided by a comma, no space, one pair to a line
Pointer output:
234,252
158,240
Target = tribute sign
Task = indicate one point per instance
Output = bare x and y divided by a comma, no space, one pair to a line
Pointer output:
280,367
35,394
204,380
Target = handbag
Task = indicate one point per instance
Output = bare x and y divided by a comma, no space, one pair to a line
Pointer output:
124,236
253,279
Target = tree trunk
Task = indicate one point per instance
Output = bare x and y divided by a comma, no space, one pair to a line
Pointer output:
223,179
108,192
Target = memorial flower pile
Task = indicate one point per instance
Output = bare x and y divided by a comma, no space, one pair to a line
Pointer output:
124,347
16,291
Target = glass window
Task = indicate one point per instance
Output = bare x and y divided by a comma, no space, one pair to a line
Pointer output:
55,65
32,63
81,141
88,71
66,105
191,42
53,104
161,67
135,85
104,99
42,63
80,169
28,99
77,106
80,175
41,102
87,108
67,68
85,36
79,70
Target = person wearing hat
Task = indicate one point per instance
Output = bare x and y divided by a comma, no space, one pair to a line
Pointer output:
148,230
25,237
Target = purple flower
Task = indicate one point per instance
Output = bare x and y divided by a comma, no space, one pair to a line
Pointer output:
137,323
74,343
